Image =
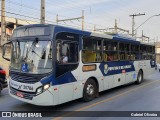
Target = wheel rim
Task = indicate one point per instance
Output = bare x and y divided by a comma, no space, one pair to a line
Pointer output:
90,90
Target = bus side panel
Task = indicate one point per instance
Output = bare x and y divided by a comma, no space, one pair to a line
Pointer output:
65,93
145,65
78,90
149,69
55,92
119,79
130,77
97,74
108,82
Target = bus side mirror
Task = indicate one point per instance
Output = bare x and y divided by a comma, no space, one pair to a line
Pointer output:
4,50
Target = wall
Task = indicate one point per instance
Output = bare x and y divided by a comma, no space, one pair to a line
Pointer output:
157,46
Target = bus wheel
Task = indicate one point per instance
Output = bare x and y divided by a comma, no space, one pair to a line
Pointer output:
139,77
90,90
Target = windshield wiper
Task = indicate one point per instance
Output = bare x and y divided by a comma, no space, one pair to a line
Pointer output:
31,48
36,53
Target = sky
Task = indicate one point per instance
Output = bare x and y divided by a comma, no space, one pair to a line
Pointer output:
101,13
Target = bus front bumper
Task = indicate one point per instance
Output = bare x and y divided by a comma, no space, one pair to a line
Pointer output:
43,99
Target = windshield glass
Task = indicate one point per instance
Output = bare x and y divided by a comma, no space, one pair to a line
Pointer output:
31,56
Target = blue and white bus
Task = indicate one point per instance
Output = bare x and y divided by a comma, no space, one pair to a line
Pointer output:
52,64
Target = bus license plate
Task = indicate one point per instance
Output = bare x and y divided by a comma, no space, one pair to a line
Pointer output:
19,94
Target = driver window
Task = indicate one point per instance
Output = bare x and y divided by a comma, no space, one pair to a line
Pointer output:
67,52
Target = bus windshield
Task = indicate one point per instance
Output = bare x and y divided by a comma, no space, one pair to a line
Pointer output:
31,56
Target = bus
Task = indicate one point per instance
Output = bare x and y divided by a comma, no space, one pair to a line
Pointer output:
52,64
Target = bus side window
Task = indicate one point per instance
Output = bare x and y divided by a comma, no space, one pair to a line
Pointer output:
89,56
67,52
122,51
92,49
110,51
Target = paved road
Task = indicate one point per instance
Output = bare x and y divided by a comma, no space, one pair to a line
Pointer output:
144,97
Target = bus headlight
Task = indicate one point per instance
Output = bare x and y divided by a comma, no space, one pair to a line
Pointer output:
45,87
42,89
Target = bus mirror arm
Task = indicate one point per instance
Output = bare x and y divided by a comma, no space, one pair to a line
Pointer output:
4,48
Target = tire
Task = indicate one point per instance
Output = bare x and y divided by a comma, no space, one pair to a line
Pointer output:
139,77
90,90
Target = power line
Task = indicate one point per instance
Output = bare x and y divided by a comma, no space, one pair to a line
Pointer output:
39,19
133,22
19,4
51,13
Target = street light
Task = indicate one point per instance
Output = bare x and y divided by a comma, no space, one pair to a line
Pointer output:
146,21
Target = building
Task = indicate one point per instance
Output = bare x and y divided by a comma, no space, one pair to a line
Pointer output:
11,24
157,49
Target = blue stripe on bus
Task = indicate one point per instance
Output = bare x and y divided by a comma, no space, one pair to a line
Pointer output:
116,67
65,78
47,79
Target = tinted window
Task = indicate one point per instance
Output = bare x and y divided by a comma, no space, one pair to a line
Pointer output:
92,49
124,51
110,50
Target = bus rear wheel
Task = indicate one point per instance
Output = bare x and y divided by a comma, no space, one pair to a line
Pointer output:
90,90
139,77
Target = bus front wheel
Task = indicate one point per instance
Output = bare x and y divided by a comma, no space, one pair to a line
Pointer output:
90,90
139,77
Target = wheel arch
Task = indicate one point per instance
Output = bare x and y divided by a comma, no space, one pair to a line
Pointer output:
141,71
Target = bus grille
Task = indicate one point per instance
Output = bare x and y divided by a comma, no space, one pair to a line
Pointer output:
26,95
24,79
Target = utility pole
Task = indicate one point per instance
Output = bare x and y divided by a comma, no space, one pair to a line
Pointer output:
3,26
57,19
82,19
42,11
133,22
77,18
116,28
94,28
144,37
